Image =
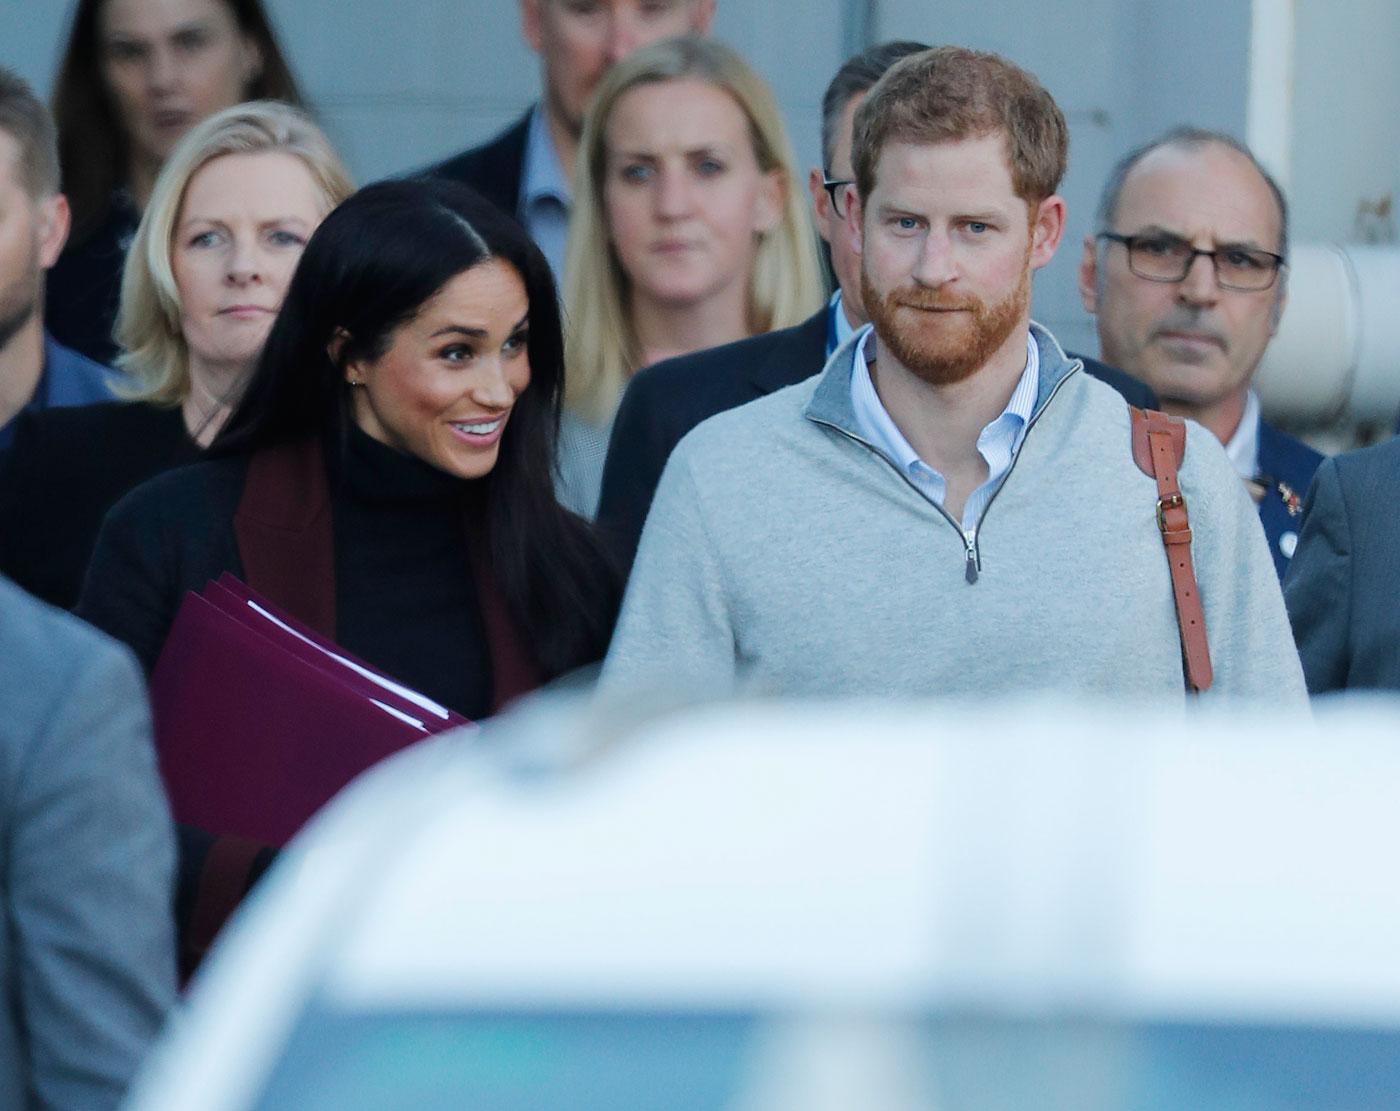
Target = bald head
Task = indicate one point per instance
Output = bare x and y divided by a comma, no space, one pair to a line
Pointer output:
1185,139
1195,341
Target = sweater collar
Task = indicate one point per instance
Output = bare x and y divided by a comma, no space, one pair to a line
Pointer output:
831,402
373,472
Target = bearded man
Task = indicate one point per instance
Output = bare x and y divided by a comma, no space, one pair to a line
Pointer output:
35,371
952,506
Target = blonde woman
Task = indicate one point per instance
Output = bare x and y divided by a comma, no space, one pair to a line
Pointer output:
689,230
230,212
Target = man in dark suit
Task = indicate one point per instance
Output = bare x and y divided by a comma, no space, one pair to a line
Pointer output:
527,168
1186,275
665,401
36,372
1344,582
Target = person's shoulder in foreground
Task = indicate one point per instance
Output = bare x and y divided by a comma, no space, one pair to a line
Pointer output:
784,549
87,954
1344,581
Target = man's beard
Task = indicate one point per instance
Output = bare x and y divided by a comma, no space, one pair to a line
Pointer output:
18,304
942,347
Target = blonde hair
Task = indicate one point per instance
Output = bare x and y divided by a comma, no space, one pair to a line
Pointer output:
601,350
154,354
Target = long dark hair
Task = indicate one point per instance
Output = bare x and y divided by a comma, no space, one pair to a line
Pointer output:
366,270
93,148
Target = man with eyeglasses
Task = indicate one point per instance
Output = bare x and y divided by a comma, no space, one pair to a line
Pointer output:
1187,278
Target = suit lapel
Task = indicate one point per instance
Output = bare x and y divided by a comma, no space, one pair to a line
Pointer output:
795,355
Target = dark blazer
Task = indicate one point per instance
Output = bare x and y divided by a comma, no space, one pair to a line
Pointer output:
1286,469
1343,587
1134,390
84,286
665,401
64,471
494,169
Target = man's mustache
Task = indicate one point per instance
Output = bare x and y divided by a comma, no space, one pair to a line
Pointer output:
930,300
1191,324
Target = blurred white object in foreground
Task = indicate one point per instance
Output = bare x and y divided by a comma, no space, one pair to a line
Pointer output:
822,906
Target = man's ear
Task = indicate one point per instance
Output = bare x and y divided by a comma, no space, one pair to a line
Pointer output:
1046,230
1280,303
532,23
821,202
855,221
1089,275
55,218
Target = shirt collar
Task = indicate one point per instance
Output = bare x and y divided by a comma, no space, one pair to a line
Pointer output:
1243,448
542,175
838,328
874,419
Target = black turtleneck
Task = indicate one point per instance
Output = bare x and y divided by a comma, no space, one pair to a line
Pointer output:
405,598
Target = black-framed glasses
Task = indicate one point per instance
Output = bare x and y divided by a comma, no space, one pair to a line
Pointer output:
1169,258
838,189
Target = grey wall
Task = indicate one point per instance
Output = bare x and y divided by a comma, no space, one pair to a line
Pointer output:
1346,142
401,82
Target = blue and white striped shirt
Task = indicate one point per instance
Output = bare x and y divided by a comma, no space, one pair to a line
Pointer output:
998,443
545,194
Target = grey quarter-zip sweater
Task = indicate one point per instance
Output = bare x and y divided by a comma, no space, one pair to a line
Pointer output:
784,552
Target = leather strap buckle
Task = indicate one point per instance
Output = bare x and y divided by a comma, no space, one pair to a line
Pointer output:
1172,501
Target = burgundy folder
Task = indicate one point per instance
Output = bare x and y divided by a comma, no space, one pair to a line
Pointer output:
259,721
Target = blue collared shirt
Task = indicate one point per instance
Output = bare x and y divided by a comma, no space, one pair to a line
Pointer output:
67,378
545,193
838,328
997,443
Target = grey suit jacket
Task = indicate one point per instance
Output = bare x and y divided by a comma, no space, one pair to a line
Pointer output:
1343,587
87,950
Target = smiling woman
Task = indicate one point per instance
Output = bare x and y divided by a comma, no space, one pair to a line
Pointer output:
386,477
445,387
405,404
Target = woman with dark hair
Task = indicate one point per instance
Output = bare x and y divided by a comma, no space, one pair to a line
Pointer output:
386,479
135,76
387,475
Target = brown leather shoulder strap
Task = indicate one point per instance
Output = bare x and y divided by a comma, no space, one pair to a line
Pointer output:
1159,446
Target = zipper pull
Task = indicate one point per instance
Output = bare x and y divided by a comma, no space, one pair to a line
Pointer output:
971,573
